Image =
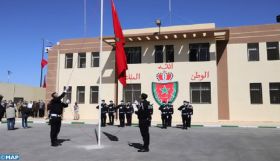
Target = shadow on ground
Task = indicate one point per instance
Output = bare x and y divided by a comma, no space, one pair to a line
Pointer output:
111,137
136,145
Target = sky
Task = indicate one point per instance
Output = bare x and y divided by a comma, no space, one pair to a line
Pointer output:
24,23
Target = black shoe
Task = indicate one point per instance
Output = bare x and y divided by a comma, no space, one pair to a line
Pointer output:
55,144
143,150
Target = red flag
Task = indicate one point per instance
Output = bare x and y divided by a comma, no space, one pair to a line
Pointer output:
120,53
44,84
44,62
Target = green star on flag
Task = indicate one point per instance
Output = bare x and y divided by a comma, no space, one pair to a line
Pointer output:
164,90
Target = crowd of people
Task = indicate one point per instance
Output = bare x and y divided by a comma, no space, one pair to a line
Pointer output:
143,109
22,109
123,112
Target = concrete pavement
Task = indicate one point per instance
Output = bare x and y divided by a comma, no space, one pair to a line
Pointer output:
174,144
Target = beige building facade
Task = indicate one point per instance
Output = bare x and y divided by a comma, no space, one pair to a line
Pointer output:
17,92
226,73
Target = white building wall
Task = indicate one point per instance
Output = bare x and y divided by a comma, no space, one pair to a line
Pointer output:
241,73
182,70
87,77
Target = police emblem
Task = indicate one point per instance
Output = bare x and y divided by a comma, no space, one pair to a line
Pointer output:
164,89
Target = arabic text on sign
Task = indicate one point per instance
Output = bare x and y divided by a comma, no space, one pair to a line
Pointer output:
133,77
200,76
166,66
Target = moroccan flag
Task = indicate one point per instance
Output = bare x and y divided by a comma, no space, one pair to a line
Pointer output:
121,63
44,62
44,84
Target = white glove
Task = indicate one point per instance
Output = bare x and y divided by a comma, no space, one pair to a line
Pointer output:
134,107
66,89
67,101
136,102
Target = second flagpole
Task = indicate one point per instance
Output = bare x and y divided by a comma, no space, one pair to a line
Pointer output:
100,72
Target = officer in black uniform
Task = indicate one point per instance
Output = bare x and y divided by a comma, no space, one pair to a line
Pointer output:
189,114
122,109
170,113
144,116
164,112
104,110
56,108
151,111
111,111
186,114
129,112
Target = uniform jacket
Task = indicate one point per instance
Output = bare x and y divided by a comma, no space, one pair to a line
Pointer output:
104,108
122,109
56,105
186,109
112,108
144,112
170,109
129,109
163,109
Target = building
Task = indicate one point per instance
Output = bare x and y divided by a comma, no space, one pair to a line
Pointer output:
229,73
18,92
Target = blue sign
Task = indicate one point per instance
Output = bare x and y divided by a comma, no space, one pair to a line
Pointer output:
9,157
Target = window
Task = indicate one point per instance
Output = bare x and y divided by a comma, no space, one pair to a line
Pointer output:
158,54
94,94
200,92
253,51
169,53
95,59
199,52
132,92
272,50
68,60
82,60
256,93
80,94
133,55
274,89
68,94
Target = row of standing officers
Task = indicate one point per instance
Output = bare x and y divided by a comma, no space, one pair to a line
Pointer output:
126,111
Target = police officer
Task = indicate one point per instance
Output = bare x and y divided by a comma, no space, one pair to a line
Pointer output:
144,116
56,108
169,113
111,112
129,112
151,111
185,110
164,111
189,114
122,109
104,110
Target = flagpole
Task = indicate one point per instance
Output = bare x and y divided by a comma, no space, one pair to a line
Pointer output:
41,61
100,72
169,6
8,76
85,18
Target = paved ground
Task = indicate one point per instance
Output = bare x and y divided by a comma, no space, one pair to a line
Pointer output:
173,144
